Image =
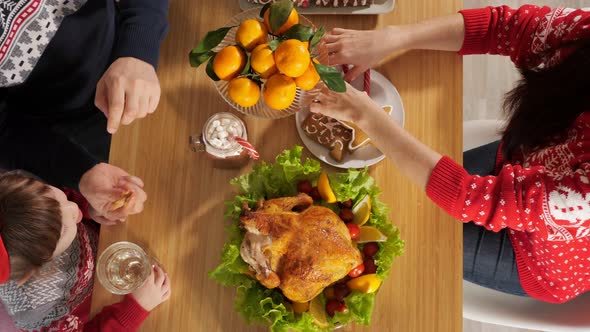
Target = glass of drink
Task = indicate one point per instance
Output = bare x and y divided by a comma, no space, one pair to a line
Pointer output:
123,267
216,141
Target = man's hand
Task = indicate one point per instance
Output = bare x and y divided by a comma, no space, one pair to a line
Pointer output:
128,90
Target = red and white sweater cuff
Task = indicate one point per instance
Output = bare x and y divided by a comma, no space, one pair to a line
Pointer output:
133,313
477,22
445,186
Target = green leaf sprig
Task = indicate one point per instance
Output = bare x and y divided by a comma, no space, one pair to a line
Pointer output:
204,50
279,14
331,77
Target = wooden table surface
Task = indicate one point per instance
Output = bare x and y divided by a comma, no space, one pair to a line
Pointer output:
183,224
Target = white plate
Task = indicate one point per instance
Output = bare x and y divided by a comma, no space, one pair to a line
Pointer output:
379,7
384,93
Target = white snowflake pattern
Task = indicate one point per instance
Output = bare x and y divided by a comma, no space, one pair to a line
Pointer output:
560,30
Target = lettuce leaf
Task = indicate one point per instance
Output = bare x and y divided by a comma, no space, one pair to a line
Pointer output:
260,305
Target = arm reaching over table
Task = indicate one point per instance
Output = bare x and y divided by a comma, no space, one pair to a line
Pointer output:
531,35
412,157
365,49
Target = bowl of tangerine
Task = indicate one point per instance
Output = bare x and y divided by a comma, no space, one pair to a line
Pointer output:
268,62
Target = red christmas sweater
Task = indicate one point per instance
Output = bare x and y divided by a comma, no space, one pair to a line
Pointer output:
41,304
543,197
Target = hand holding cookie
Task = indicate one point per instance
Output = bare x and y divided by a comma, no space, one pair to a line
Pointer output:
352,106
113,194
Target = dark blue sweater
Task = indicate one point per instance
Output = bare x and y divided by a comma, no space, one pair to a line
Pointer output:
61,87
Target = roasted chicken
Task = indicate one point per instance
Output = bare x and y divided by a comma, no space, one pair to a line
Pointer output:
296,246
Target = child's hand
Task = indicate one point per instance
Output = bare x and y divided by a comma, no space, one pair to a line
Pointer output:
154,291
363,49
352,106
103,185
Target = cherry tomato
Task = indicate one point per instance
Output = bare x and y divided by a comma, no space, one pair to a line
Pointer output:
304,186
354,230
370,266
346,215
357,271
370,249
315,194
341,291
334,306
346,204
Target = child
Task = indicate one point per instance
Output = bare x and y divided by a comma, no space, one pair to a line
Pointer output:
530,206
48,245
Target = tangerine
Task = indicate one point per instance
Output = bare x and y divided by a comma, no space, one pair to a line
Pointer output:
291,21
309,79
251,33
262,61
292,58
279,91
229,62
244,92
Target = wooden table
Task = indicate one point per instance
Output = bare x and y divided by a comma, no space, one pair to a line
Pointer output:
183,219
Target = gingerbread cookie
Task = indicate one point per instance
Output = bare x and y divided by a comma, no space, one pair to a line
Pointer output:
119,203
359,137
329,133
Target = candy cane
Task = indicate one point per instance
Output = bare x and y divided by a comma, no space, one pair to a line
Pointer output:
367,85
367,80
249,147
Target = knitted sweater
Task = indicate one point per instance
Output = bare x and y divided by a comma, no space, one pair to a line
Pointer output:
52,55
58,297
543,197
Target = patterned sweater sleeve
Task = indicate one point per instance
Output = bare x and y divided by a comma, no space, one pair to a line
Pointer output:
125,316
530,35
142,27
524,199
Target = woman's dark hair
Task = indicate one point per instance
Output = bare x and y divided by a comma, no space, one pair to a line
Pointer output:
545,102
30,222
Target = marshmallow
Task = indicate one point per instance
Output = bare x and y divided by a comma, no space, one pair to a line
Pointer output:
216,143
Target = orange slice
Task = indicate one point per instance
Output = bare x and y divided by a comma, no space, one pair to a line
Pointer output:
325,189
368,283
370,234
362,211
318,312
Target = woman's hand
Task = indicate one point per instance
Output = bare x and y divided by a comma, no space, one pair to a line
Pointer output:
154,291
103,185
363,49
352,106
128,90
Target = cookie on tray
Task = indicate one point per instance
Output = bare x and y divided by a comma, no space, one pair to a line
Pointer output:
329,133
